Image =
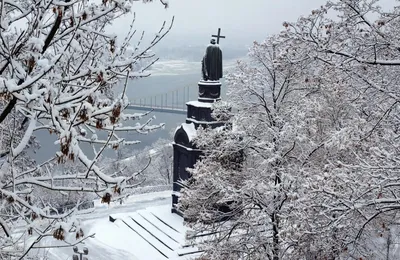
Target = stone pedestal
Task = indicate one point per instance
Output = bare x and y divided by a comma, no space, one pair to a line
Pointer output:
185,152
199,112
185,156
209,91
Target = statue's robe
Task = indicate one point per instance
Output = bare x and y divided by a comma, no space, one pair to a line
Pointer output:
212,63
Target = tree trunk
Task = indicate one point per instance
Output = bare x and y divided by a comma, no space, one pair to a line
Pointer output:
275,218
275,236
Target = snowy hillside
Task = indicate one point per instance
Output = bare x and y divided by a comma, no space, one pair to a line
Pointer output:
144,228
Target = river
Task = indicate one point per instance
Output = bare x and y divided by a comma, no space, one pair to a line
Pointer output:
166,76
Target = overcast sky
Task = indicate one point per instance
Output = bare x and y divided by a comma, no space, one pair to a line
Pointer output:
241,21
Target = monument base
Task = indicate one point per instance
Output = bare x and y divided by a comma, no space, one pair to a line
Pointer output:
209,91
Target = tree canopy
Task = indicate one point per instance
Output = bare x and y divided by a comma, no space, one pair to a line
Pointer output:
61,71
315,114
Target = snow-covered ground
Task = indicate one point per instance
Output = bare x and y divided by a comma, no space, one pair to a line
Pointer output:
144,228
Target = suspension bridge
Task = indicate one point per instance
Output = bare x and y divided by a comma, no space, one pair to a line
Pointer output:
173,101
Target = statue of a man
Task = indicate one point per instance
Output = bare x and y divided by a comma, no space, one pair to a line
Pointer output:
212,62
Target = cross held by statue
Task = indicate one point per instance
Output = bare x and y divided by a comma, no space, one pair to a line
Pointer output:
218,36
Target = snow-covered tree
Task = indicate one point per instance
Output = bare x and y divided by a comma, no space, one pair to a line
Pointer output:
357,56
58,71
154,163
249,183
320,177
161,164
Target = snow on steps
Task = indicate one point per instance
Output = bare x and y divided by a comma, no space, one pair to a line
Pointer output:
143,228
158,234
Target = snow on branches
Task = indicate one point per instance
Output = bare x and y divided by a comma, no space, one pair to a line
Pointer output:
58,71
317,109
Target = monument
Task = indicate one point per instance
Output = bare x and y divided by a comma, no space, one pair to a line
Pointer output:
212,62
198,114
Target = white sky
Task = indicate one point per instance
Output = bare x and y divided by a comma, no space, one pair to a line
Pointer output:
241,21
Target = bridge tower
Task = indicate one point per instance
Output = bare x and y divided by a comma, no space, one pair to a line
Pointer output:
198,114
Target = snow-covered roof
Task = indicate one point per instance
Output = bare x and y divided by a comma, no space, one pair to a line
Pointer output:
203,122
151,153
190,130
209,82
144,229
199,104
209,99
